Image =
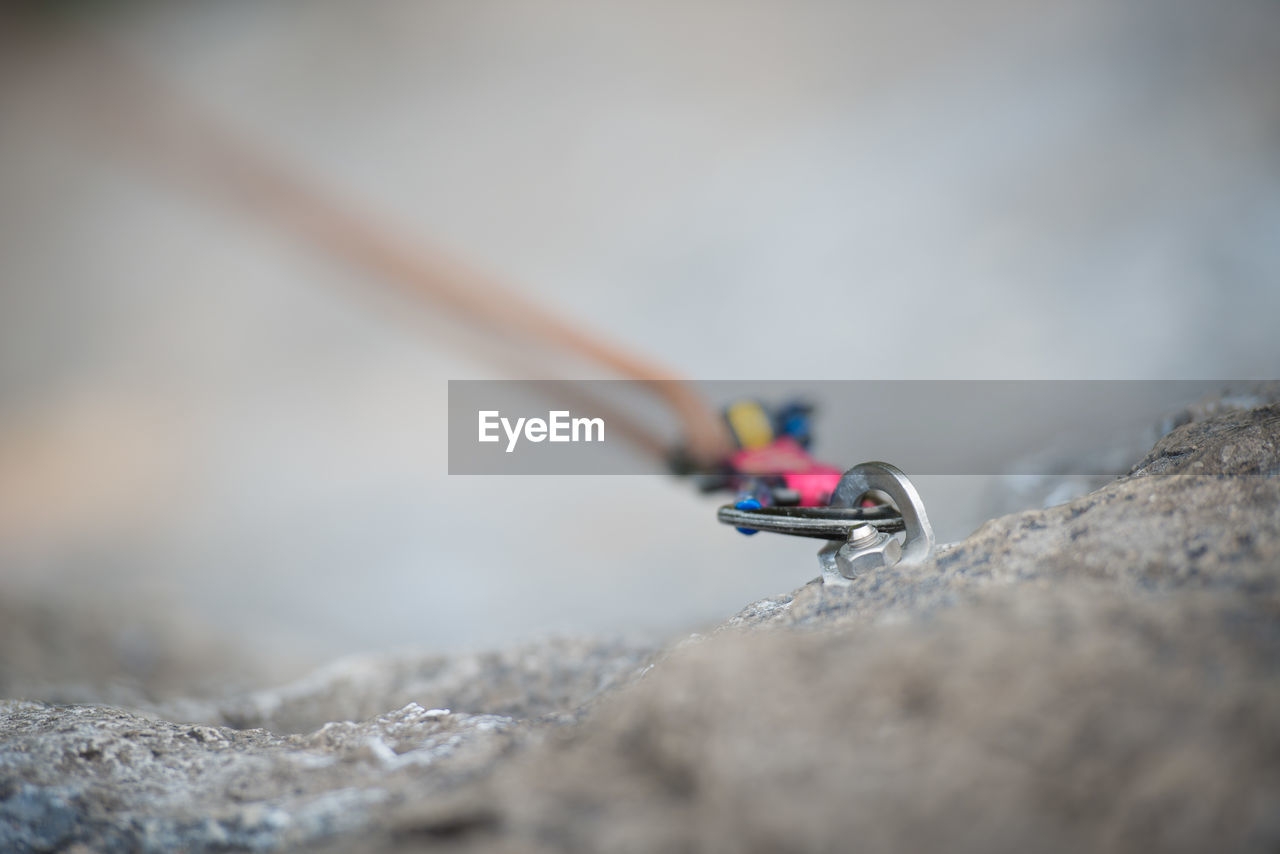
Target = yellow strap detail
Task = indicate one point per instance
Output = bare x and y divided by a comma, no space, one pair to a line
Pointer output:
751,425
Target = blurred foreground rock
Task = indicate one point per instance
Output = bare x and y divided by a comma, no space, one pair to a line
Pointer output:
1100,675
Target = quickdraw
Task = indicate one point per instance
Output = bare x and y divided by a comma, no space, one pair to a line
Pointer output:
783,490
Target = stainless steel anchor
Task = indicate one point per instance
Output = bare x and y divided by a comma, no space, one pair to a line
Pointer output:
860,540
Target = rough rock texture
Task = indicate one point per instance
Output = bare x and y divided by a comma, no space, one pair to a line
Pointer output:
1061,720
1100,675
133,780
557,676
122,781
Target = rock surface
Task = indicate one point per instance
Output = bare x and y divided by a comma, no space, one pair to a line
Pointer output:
1100,675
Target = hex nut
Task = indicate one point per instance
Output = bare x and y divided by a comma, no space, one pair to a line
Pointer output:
856,560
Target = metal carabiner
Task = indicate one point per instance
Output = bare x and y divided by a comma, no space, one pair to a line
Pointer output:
821,523
859,538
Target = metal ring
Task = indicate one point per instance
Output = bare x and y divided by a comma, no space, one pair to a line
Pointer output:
889,479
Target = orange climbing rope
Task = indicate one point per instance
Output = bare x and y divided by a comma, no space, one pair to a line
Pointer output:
168,129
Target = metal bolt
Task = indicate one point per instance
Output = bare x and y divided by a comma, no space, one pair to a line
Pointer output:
863,535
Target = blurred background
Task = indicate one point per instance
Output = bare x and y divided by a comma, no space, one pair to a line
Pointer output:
215,436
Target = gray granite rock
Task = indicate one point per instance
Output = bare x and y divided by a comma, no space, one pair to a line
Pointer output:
553,677
1099,675
116,780
1049,718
